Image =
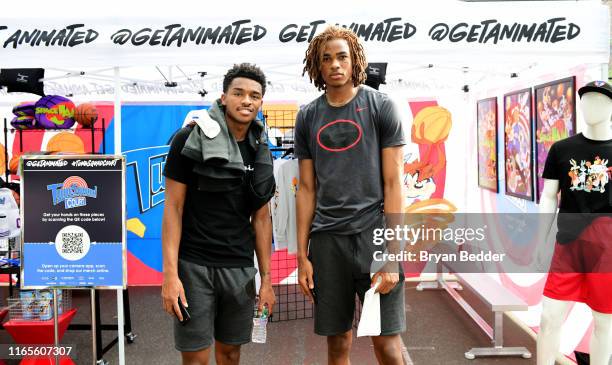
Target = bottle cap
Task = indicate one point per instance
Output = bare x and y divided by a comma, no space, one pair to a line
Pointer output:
264,312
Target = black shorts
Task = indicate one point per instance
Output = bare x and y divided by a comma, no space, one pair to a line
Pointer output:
341,265
221,306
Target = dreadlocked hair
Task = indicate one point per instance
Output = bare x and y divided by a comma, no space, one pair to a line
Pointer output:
312,60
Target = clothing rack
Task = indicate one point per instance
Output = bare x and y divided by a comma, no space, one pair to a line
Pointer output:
291,304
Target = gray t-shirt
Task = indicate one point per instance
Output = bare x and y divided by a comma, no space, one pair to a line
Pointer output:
345,145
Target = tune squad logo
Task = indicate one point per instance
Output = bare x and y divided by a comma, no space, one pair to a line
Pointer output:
73,192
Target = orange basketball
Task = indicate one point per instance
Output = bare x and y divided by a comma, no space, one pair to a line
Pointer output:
86,114
14,163
431,125
66,142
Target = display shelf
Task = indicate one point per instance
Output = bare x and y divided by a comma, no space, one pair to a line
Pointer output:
93,131
31,309
38,332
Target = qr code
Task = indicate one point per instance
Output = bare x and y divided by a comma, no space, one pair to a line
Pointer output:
72,242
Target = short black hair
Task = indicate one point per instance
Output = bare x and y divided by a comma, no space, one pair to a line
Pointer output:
245,70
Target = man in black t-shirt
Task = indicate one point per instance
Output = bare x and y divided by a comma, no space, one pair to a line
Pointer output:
218,181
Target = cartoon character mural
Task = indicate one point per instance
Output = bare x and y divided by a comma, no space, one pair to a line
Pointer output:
425,173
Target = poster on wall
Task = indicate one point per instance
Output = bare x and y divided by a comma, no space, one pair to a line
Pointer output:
555,119
73,214
518,144
486,119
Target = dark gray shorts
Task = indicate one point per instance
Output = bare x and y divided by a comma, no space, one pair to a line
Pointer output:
221,302
341,265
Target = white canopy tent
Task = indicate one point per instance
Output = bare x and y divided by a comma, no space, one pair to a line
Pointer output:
443,44
489,38
275,33
432,47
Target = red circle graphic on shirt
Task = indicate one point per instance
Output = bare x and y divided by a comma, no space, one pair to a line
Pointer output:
339,135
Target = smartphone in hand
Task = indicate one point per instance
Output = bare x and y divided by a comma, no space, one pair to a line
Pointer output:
314,295
184,312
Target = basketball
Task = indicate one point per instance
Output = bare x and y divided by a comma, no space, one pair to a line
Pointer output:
24,122
24,109
86,114
14,163
54,112
431,125
66,142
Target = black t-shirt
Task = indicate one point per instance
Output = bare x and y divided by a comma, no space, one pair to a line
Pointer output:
216,228
582,167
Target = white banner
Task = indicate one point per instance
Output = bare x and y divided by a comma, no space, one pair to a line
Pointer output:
448,32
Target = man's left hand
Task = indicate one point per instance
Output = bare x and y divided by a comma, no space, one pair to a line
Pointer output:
388,280
266,297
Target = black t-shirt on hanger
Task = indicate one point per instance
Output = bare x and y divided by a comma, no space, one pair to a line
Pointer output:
582,167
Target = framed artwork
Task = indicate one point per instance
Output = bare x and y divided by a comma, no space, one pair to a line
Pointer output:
486,120
555,119
518,144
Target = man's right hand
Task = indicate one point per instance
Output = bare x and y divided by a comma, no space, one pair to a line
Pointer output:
172,289
305,277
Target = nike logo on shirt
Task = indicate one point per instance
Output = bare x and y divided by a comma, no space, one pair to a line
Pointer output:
360,109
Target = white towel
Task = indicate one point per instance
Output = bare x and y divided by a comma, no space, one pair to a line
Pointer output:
369,323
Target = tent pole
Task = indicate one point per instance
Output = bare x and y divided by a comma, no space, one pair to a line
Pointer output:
117,132
117,113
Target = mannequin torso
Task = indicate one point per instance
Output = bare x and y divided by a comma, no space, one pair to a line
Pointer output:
597,111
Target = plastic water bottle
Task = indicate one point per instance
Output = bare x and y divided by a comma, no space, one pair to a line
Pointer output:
259,327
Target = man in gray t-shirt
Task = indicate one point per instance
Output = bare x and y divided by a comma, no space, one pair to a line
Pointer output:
345,144
349,146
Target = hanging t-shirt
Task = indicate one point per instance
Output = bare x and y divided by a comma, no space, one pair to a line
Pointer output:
582,167
279,237
284,219
345,144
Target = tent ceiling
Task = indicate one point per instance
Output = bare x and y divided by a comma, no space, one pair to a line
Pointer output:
450,33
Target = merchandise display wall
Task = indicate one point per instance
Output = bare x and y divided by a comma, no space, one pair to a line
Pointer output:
143,145
145,149
577,328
